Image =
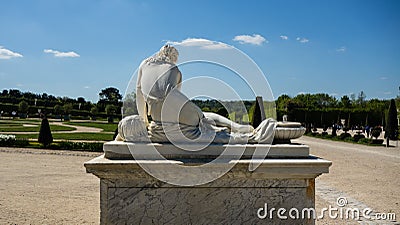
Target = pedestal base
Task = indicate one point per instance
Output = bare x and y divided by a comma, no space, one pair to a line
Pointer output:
128,195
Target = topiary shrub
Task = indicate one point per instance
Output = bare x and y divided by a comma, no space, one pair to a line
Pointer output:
325,128
376,132
45,136
257,117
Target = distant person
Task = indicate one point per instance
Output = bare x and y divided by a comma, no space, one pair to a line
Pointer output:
334,129
367,130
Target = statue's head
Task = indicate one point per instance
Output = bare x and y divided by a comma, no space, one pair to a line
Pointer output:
168,53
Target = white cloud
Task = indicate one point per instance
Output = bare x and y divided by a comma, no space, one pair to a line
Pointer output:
341,49
8,54
383,78
283,37
200,42
256,39
86,87
61,54
302,40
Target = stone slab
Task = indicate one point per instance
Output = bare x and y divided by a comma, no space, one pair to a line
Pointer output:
122,150
129,195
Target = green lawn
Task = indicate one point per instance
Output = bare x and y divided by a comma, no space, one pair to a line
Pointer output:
73,136
107,127
34,126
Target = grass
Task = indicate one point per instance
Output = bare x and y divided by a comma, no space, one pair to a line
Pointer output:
16,126
20,128
107,127
73,136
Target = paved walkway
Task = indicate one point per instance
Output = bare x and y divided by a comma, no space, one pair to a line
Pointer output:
51,187
366,176
79,129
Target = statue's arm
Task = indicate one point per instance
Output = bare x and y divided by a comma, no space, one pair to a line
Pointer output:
179,85
140,101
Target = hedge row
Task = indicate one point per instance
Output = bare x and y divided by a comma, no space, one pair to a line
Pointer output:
330,116
11,141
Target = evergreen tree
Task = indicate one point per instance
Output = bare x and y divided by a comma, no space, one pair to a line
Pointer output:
45,136
257,115
391,123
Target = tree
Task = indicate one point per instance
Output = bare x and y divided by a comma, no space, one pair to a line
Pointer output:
345,101
58,110
353,98
391,123
67,110
94,111
361,98
45,136
80,100
23,109
110,95
15,93
110,111
23,106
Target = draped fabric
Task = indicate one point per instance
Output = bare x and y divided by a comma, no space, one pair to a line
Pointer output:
133,129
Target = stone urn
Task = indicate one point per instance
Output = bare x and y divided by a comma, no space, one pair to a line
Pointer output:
285,131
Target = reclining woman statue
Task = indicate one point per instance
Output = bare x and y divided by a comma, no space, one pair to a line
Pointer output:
174,116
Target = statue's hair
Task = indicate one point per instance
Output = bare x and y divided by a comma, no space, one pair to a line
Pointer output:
167,53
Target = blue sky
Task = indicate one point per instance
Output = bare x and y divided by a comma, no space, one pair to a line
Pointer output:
76,48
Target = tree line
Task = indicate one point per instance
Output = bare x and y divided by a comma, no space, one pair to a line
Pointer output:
318,110
14,103
322,110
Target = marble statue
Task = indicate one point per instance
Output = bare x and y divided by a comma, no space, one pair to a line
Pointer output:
174,116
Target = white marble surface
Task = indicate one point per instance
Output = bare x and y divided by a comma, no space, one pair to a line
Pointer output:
120,150
131,196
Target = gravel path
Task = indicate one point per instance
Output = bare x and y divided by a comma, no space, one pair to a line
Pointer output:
52,187
47,187
78,129
365,174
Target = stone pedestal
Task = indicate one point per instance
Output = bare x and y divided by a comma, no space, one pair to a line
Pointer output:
128,195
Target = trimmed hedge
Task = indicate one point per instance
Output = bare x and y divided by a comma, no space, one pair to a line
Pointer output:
11,141
86,146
